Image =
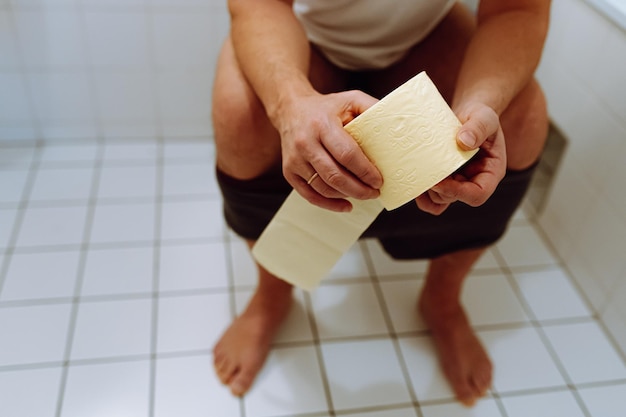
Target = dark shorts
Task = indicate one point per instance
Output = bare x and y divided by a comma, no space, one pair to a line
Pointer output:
405,233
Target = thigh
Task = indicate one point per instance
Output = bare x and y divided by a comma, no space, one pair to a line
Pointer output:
246,142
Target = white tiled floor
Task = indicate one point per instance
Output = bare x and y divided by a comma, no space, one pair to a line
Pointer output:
117,275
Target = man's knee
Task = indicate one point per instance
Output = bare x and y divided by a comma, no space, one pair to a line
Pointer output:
525,126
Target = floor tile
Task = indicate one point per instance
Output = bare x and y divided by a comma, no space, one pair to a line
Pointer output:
546,404
540,289
521,361
484,408
364,374
186,267
426,375
127,181
296,327
30,392
487,261
351,266
12,185
112,328
190,179
16,157
401,302
188,387
40,275
392,412
33,334
52,226
62,184
109,389
192,219
347,310
118,271
490,300
192,322
607,401
79,152
522,246
289,384
7,219
179,149
147,151
244,269
575,344
385,265
123,223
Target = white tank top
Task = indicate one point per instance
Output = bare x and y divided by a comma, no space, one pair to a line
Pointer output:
368,34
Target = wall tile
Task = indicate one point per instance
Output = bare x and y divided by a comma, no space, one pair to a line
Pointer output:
583,49
14,107
185,96
61,96
50,38
615,323
183,40
8,43
125,96
609,77
117,39
601,241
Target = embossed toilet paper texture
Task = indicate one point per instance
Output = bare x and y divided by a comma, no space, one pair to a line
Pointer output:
410,135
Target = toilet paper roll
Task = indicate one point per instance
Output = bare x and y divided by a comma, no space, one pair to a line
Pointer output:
410,135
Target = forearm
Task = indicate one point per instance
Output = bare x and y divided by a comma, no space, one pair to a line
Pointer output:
272,50
502,55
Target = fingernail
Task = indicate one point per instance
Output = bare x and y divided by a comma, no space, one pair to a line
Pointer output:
467,138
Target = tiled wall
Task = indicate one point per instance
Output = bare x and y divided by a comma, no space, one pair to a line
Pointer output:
107,68
583,73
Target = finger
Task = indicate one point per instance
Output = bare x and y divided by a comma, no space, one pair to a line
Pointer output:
344,148
425,204
332,172
324,189
478,190
481,124
440,198
358,102
315,198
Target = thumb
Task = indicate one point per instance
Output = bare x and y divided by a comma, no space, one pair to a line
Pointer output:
481,124
359,101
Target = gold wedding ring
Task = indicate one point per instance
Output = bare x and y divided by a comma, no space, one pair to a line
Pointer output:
315,175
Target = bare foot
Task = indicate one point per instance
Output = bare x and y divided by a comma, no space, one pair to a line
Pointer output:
464,361
241,352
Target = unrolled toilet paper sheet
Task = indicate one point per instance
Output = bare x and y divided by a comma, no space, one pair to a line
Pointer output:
410,135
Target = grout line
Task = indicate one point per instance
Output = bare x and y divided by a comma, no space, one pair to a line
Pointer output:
597,314
232,301
540,332
156,264
20,213
318,351
89,217
393,336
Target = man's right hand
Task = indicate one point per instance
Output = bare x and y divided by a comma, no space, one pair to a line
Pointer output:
313,141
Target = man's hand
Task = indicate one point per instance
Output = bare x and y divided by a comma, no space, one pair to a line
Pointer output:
313,141
473,183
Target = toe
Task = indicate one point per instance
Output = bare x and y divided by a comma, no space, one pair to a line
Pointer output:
465,394
225,370
481,380
241,383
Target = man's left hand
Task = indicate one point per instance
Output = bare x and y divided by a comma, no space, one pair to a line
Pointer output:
473,183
